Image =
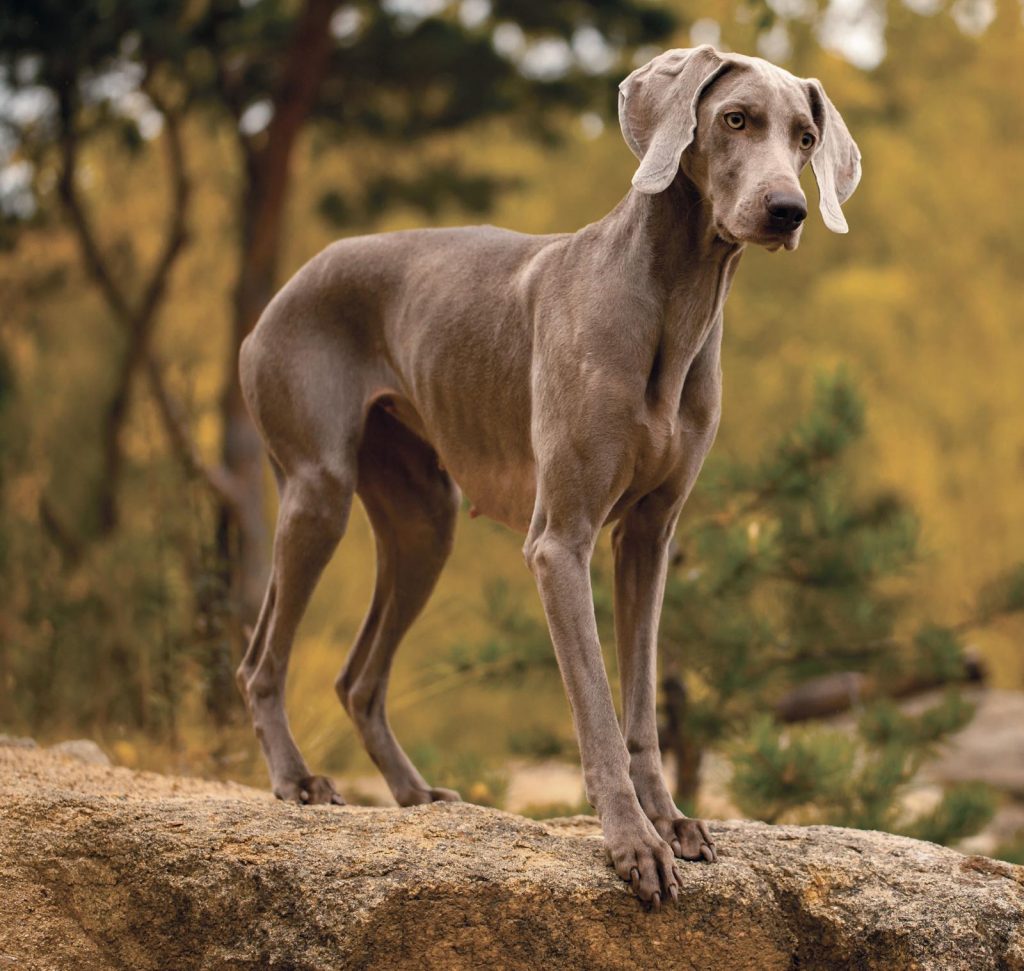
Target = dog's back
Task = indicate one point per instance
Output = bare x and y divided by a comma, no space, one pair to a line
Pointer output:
434,324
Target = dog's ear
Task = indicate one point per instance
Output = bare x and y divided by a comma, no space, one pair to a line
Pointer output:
836,160
658,111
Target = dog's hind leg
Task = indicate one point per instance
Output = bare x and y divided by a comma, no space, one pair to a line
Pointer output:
309,411
412,505
315,503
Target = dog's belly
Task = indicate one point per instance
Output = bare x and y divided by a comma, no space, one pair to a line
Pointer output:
505,494
487,454
505,491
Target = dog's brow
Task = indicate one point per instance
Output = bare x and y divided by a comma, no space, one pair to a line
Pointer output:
738,104
741,97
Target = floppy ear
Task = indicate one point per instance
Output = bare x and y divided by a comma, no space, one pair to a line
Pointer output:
658,111
836,160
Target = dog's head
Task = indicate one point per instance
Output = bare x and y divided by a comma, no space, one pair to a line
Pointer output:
741,130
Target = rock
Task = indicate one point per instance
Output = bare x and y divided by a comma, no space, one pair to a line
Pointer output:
82,749
105,868
532,784
989,749
1006,828
16,741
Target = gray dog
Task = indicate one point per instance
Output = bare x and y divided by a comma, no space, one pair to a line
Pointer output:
561,383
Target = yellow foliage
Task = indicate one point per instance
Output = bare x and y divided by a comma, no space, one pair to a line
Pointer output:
921,303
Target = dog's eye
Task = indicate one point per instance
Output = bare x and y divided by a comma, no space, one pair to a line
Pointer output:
806,141
735,119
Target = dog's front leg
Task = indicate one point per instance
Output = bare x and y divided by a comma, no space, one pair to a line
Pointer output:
559,556
640,542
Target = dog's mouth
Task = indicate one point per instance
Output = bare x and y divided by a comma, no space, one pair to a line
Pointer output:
774,240
771,239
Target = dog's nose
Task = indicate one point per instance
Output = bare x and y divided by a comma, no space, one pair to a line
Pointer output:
786,210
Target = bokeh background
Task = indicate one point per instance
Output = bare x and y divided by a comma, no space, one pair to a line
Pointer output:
164,167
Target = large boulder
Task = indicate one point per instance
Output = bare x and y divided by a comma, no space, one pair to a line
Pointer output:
104,868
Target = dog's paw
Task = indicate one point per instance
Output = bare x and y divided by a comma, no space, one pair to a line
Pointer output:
690,839
420,797
312,790
644,860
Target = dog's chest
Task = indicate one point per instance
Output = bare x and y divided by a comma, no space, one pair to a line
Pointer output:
682,398
659,449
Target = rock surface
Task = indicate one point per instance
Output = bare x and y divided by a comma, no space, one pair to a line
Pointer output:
83,749
990,748
104,868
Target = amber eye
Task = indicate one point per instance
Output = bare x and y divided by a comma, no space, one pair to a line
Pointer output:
735,119
806,141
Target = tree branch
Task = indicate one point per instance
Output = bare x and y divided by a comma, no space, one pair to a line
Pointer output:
94,261
64,539
177,233
138,322
215,477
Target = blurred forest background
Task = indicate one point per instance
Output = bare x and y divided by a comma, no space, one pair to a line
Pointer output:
164,167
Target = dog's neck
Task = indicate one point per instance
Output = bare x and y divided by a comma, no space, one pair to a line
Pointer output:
679,229
680,272
672,239
680,260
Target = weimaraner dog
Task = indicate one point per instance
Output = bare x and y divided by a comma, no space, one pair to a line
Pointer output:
559,382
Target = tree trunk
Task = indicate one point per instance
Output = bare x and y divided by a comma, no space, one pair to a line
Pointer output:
243,536
687,752
136,318
832,694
